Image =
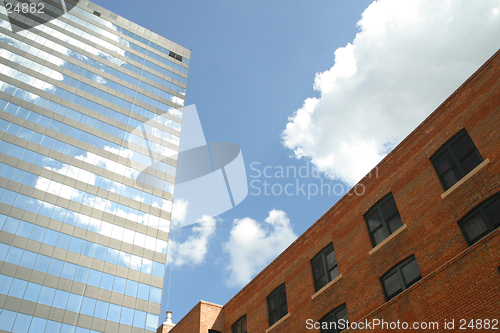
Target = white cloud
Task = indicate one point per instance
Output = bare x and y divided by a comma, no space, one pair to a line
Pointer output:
408,57
179,211
253,245
194,249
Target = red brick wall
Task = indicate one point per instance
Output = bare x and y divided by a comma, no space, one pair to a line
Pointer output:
458,281
190,323
200,319
211,317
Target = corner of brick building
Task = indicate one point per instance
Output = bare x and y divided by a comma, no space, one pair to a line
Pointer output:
203,316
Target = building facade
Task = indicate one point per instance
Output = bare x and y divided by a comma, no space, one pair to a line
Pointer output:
414,246
90,119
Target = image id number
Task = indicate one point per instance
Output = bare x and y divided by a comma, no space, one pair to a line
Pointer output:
25,8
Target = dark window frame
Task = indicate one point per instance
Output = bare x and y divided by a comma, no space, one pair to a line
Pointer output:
447,148
377,207
279,303
332,316
326,270
239,325
398,269
482,210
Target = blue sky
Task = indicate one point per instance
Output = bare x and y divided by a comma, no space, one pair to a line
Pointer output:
253,78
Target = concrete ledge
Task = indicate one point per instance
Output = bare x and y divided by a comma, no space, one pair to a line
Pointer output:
278,322
388,239
465,178
326,286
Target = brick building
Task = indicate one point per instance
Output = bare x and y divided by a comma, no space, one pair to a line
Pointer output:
421,246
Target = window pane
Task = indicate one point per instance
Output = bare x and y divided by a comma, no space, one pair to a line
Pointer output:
22,323
143,291
101,309
493,211
131,289
74,303
7,319
139,319
38,325
52,326
379,235
114,313
119,285
395,223
411,273
18,288
475,228
47,295
331,261
282,301
471,161
444,162
107,281
463,146
127,316
451,177
244,325
392,285
273,317
374,220
273,303
88,306
334,273
319,272
42,263
14,256
28,259
155,295
5,282
342,314
61,299
389,208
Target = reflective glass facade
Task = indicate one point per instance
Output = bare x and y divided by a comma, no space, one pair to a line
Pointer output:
89,104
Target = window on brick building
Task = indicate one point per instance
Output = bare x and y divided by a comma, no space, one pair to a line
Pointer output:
456,158
400,277
383,219
335,321
276,304
481,220
240,326
324,267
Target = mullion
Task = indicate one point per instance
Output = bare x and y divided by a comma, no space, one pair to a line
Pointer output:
383,220
402,281
325,267
458,163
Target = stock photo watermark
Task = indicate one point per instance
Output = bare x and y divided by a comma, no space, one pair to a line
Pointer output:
291,180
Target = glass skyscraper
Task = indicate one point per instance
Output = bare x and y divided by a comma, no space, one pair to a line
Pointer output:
90,119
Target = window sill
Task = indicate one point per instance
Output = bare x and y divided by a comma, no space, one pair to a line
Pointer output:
282,319
326,286
465,178
388,239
